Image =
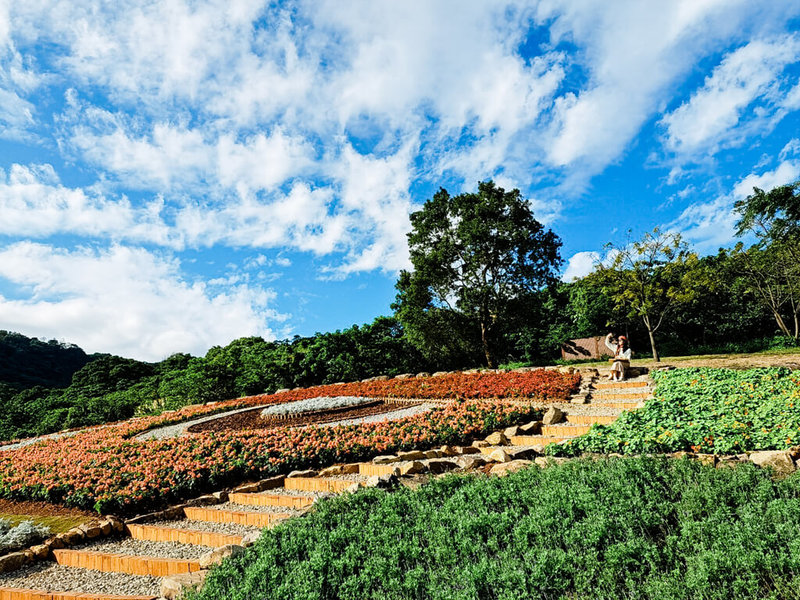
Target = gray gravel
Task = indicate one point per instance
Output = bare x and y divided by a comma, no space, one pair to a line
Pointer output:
55,578
131,547
224,528
285,492
259,509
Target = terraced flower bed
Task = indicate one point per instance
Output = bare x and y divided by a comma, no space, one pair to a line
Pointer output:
105,469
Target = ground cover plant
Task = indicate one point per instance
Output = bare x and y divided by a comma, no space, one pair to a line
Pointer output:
607,529
721,411
107,469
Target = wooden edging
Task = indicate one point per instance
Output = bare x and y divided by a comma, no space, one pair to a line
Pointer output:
156,533
317,484
370,470
271,500
252,519
124,563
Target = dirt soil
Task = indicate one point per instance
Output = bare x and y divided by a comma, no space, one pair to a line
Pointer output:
44,509
252,419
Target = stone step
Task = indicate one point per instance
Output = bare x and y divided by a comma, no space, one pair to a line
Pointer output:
251,519
537,440
590,419
125,563
267,499
318,484
606,396
158,533
564,431
26,594
620,385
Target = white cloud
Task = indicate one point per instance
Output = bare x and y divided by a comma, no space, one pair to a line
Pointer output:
711,225
580,265
127,301
711,116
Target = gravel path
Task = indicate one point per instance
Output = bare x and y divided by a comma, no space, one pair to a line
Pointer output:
49,436
55,578
285,492
178,429
224,528
259,509
131,547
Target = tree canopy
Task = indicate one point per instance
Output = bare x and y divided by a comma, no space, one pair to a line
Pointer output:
475,256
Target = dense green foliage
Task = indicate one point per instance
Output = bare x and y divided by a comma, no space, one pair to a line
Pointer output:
111,388
707,410
27,362
477,259
627,528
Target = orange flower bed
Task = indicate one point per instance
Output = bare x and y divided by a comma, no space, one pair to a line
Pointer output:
105,469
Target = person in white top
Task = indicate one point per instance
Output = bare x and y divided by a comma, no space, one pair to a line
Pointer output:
622,356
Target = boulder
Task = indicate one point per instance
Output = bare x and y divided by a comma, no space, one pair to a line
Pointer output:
404,376
381,481
54,543
580,398
546,461
466,450
527,453
348,469
503,469
353,487
423,374
106,527
497,438
73,536
780,461
707,459
40,551
91,530
466,463
412,455
306,473
251,538
281,391
217,555
439,373
480,444
13,561
220,497
174,586
552,416
530,428
381,378
441,465
412,468
249,488
510,432
499,456
432,454
448,451
385,460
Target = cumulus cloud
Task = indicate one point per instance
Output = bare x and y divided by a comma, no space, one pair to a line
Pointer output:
126,300
751,72
580,265
711,225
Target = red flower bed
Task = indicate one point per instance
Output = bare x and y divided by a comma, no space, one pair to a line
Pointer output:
105,469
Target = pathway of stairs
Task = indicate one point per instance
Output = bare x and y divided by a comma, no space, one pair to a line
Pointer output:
154,553
178,548
604,401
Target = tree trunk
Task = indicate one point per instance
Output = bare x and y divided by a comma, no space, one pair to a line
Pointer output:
653,345
486,350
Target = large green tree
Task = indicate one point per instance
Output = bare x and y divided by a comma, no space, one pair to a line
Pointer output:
650,277
474,257
772,264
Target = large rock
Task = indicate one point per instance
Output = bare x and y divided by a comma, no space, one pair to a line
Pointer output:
466,450
412,468
546,461
411,455
500,456
552,416
13,561
498,438
305,473
466,463
40,551
510,432
251,538
217,555
385,460
441,465
339,470
91,530
526,453
432,454
382,481
480,444
504,469
530,428
781,462
174,586
448,451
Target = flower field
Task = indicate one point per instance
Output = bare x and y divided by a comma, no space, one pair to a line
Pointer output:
721,411
106,469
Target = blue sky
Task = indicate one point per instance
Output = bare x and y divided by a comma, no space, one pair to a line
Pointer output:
177,174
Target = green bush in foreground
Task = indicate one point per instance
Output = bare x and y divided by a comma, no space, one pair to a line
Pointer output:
721,411
624,528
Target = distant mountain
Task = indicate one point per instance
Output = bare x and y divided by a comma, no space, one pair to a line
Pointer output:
26,362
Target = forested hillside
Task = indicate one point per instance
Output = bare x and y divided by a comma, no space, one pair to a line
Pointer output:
25,362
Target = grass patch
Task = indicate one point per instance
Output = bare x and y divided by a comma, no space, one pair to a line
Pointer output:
624,528
722,411
57,524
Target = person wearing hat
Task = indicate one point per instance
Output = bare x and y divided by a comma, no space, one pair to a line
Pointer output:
622,356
